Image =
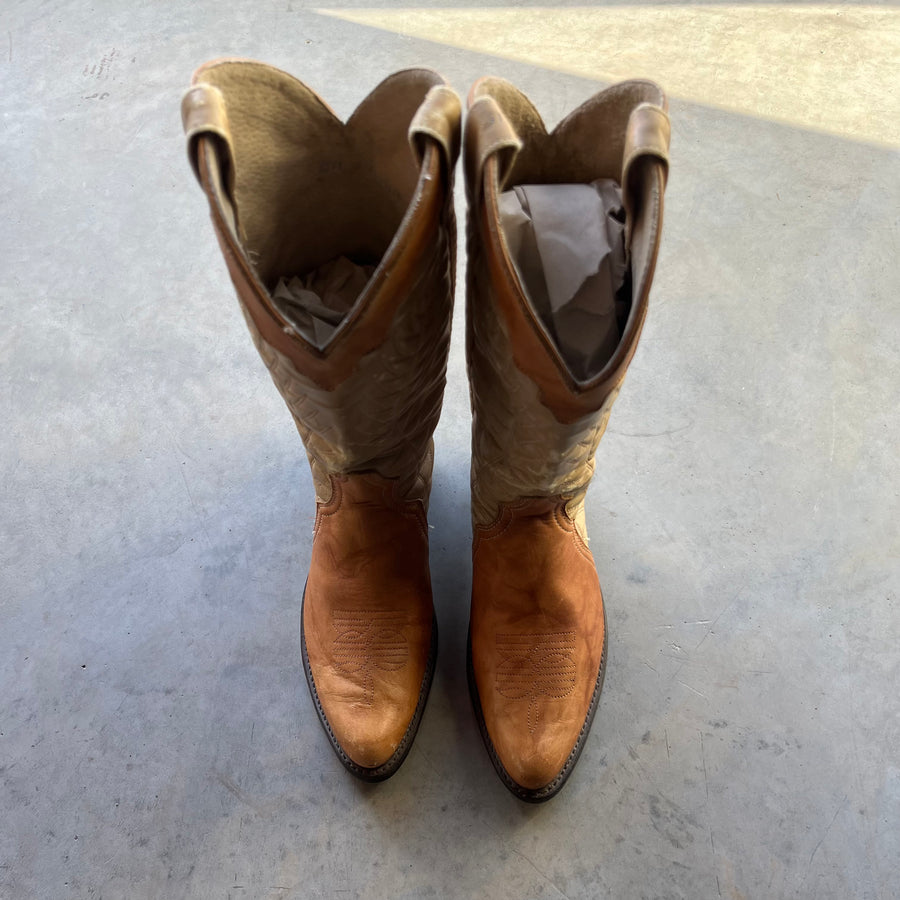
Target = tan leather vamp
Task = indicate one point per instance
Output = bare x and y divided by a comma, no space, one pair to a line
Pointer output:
367,614
537,636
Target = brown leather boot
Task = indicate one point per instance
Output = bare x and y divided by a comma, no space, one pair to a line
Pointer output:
541,397
340,241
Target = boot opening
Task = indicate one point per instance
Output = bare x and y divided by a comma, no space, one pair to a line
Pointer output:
317,302
567,243
317,201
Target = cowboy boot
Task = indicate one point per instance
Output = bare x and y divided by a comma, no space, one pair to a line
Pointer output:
340,242
541,395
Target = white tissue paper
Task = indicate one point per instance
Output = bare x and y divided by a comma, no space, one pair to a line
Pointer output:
567,242
316,303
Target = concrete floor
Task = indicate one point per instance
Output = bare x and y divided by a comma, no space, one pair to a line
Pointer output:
157,739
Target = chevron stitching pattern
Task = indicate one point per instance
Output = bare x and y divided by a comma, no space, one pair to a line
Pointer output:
382,417
519,448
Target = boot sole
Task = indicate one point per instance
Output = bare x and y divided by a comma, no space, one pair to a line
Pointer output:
548,791
388,768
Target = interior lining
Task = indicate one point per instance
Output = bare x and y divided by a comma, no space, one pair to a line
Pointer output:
310,190
587,146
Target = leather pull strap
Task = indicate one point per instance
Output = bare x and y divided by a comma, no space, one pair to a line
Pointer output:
647,136
437,119
203,116
203,113
488,133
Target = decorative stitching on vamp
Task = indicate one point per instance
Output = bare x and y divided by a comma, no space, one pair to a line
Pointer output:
367,641
536,668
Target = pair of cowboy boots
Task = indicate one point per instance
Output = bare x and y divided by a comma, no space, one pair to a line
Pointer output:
340,239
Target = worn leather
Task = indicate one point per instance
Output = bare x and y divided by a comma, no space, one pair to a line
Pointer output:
537,632
365,617
291,187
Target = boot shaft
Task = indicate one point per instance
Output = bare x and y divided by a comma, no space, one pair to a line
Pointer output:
537,423
291,188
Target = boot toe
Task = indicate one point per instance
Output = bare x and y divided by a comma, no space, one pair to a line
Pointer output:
370,731
369,737
536,765
369,677
533,745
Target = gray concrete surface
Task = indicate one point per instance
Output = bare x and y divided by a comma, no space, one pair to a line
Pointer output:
156,737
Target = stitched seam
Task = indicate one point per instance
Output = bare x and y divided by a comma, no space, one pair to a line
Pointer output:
415,514
509,524
582,548
562,521
337,489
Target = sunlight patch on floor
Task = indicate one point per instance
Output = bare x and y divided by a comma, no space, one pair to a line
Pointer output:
830,68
